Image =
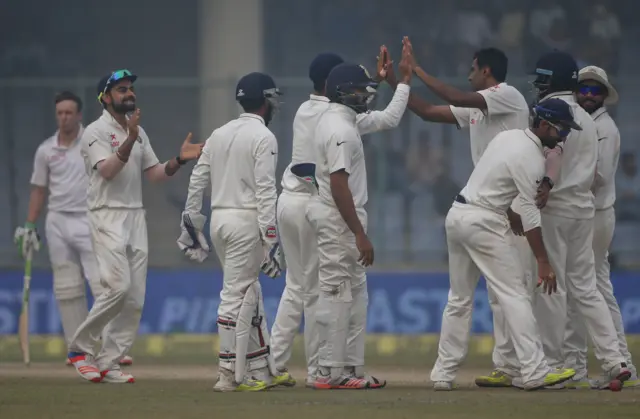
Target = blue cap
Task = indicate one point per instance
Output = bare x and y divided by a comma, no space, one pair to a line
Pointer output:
321,66
256,86
348,75
556,111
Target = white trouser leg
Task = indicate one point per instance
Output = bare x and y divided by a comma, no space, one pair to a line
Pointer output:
484,236
505,358
301,290
582,284
236,239
551,310
338,269
68,283
115,234
120,333
356,339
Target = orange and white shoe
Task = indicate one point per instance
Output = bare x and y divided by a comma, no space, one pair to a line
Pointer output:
126,361
85,367
344,382
116,376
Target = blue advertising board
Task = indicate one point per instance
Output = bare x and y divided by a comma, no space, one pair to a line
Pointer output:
187,302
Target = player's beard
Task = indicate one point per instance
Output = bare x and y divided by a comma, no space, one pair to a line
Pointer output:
126,106
590,105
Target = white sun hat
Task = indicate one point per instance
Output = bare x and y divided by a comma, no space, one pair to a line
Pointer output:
594,73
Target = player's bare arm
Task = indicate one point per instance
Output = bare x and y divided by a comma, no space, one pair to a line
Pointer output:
344,201
111,166
553,162
448,93
516,222
419,106
36,202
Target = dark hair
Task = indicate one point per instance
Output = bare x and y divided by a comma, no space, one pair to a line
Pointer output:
251,105
495,60
67,95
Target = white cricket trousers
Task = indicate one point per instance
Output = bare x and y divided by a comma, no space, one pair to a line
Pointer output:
575,343
72,260
341,312
120,244
569,245
480,242
300,296
235,235
504,357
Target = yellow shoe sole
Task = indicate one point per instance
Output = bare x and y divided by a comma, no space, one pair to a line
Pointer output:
631,383
285,380
486,381
259,386
557,378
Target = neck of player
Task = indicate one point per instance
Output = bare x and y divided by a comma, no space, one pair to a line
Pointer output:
68,137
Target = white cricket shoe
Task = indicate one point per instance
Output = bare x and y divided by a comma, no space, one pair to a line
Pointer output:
226,383
116,376
85,366
443,386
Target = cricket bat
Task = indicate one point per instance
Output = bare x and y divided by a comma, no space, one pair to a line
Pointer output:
23,325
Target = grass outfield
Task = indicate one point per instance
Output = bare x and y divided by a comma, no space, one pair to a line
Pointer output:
175,374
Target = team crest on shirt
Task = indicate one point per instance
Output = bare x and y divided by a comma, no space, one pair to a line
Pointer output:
271,232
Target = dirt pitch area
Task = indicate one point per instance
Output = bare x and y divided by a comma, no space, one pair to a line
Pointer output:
47,390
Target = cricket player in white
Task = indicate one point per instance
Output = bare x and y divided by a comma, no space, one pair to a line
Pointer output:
493,107
567,224
480,242
338,216
116,151
297,235
239,159
58,169
595,92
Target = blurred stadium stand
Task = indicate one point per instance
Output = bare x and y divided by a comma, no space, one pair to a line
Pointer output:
414,171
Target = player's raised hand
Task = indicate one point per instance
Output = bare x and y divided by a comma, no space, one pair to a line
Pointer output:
407,62
384,62
365,248
189,150
132,124
547,278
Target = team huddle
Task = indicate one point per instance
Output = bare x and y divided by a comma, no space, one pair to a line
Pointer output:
535,219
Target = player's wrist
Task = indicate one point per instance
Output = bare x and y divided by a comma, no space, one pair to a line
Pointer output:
180,161
30,225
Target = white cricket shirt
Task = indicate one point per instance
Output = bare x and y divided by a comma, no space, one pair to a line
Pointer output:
306,121
608,156
239,159
61,170
339,147
511,166
100,140
506,109
571,195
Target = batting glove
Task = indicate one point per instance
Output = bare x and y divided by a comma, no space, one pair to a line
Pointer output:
27,237
192,241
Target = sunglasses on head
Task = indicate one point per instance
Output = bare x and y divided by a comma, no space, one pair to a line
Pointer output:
594,90
115,76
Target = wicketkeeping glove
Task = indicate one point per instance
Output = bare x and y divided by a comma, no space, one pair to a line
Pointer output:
27,237
192,241
273,262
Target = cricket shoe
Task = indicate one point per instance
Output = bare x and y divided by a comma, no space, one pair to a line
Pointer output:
282,377
116,376
374,383
557,376
578,383
310,381
497,378
85,366
226,383
443,386
125,361
619,372
344,382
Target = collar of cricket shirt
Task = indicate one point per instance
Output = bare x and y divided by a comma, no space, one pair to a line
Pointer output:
73,143
599,112
533,138
109,119
252,116
319,98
